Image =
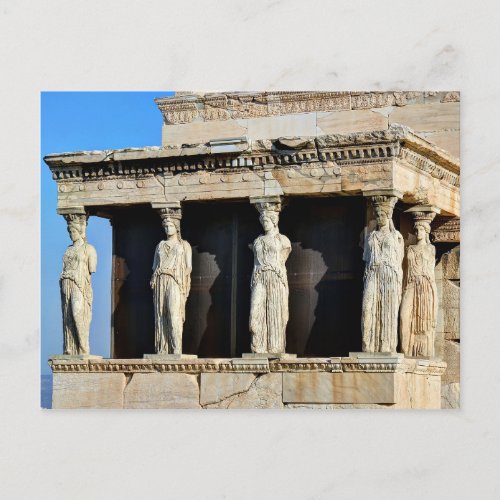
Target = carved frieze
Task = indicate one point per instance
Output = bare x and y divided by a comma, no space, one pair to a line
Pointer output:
243,105
446,230
224,365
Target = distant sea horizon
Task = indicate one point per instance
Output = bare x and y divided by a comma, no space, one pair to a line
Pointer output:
46,391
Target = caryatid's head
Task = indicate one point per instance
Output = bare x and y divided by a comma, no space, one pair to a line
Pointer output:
422,230
383,206
269,220
77,225
171,225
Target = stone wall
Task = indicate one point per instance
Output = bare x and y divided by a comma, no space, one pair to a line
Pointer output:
200,118
448,327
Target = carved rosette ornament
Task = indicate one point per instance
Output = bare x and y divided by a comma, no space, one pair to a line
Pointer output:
419,305
79,262
383,255
269,283
171,281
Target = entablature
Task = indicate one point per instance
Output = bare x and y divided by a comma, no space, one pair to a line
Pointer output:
344,164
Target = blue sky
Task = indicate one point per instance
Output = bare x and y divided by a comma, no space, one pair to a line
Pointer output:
75,121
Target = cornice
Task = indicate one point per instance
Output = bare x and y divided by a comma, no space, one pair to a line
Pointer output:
397,142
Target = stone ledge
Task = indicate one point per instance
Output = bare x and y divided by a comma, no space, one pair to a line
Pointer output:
398,364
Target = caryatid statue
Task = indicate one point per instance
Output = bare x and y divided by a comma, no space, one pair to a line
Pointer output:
79,262
383,255
269,283
419,305
171,282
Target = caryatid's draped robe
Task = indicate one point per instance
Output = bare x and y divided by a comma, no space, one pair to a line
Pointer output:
383,255
420,303
79,262
269,302
171,282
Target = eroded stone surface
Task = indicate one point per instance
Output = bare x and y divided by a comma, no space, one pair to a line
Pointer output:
450,396
451,264
451,354
451,310
162,390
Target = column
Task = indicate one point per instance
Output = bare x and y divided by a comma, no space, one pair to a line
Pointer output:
79,262
419,306
269,284
171,283
383,252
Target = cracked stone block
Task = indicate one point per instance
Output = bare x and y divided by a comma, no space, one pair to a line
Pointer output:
215,387
265,391
162,390
88,390
450,396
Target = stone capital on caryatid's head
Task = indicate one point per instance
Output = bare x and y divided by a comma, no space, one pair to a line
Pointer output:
383,195
75,216
265,204
168,209
423,213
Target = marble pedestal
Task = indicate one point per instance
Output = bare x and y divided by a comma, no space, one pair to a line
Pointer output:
350,382
267,355
170,357
70,357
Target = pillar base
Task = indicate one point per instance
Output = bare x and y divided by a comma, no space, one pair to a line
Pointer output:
71,357
375,357
169,357
268,355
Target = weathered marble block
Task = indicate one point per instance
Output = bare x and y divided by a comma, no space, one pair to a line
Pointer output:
88,390
162,390
323,387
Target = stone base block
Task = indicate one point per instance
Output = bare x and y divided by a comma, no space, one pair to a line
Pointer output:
323,387
392,389
162,390
88,390
390,381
